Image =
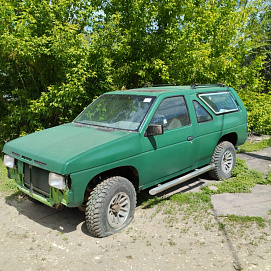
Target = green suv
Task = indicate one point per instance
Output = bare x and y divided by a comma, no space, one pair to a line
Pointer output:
127,141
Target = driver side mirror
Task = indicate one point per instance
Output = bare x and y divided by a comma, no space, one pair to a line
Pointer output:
153,130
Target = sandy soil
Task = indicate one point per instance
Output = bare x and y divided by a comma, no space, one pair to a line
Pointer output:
36,237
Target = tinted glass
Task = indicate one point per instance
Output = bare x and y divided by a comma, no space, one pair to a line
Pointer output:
201,113
172,113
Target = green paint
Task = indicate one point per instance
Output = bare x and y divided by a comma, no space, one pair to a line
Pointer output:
82,152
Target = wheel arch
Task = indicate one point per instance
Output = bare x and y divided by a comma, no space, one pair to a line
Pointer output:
128,172
231,137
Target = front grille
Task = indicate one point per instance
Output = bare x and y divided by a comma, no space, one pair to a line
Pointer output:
36,179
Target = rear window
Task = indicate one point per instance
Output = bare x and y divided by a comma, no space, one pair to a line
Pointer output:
219,102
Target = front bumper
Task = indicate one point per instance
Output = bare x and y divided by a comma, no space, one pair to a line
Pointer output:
34,183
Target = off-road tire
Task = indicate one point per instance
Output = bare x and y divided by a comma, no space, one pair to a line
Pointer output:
102,211
224,158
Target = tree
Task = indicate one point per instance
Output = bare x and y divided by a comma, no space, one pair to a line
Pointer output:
58,55
45,67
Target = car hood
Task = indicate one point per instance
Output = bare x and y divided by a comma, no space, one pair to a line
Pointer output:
70,148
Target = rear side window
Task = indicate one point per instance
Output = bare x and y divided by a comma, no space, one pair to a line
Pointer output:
201,113
219,102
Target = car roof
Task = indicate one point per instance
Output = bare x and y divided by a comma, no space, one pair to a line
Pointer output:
171,90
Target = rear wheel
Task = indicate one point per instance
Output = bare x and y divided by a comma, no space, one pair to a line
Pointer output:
224,158
110,207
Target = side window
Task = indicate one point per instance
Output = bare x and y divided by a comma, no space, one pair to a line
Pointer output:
201,113
219,102
172,113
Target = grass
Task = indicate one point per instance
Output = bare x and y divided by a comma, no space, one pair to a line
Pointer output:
244,220
255,146
6,185
243,179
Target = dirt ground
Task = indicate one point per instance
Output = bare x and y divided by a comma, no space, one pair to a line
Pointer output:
36,237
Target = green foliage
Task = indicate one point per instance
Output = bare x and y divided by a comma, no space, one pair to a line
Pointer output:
247,219
48,76
6,184
241,183
240,167
255,146
57,56
259,107
243,179
193,202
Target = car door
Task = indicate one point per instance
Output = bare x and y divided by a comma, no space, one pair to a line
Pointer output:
169,153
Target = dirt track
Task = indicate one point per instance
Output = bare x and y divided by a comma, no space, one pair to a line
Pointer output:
36,237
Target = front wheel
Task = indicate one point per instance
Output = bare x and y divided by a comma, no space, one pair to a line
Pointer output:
111,206
224,158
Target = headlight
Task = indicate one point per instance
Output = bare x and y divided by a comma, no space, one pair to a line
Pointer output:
9,161
57,181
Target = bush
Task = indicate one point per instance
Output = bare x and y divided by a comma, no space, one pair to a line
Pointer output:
258,106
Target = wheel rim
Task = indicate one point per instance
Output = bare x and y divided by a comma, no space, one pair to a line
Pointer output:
118,210
227,162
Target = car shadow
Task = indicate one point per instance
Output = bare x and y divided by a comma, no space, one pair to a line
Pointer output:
65,220
257,156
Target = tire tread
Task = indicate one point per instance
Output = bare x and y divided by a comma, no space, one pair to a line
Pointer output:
215,173
99,193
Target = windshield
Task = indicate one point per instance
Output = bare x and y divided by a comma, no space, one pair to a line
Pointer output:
125,112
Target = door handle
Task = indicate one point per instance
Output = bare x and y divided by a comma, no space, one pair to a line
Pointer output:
190,138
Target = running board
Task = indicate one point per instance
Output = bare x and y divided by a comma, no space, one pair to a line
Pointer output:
196,172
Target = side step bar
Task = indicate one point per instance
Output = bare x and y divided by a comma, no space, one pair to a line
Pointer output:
165,186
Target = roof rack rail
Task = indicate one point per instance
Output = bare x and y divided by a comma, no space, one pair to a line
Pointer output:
193,86
160,85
